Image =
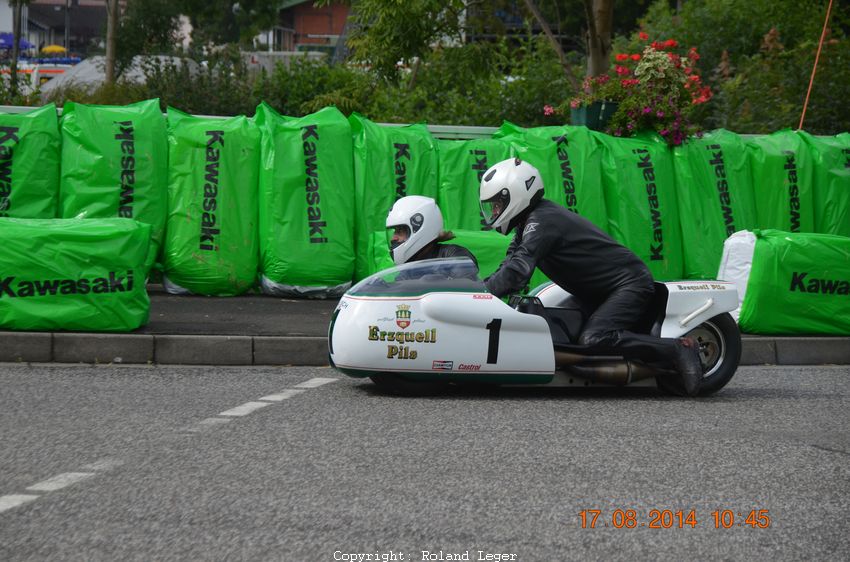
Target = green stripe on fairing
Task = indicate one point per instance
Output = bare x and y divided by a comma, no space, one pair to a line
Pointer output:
416,294
506,378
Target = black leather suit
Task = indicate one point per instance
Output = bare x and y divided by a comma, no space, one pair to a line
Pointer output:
444,251
588,263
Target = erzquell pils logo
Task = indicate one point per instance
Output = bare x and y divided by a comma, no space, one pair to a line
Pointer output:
402,316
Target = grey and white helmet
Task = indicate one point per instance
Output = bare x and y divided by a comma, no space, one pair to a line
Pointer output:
507,190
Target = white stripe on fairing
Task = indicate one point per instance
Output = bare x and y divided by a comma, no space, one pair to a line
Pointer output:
313,383
245,409
103,464
283,395
59,481
14,500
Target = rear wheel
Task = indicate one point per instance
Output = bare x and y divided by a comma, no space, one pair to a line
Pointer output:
398,385
720,352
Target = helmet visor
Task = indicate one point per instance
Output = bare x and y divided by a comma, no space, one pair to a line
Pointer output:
398,235
493,208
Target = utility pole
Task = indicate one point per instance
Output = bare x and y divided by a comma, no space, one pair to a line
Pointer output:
67,26
112,9
16,45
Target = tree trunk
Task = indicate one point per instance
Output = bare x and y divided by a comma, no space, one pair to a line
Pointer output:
568,70
600,16
112,9
414,72
16,38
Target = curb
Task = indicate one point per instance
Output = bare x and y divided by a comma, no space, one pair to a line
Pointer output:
45,347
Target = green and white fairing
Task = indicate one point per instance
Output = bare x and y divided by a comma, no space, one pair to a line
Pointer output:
435,320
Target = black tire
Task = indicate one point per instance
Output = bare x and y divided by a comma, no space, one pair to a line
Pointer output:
720,350
397,385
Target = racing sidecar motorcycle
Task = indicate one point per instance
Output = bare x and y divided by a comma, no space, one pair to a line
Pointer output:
420,326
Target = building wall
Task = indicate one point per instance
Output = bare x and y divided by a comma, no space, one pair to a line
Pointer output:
5,18
319,22
87,19
82,3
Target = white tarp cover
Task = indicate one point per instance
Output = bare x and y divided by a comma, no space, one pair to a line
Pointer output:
737,262
90,72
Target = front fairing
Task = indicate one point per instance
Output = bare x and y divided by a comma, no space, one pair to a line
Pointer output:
435,319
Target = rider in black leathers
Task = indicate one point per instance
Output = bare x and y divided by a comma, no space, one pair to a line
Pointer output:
583,260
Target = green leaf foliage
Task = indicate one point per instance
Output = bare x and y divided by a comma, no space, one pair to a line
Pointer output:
769,89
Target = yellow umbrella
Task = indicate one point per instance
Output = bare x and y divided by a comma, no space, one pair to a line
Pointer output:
51,49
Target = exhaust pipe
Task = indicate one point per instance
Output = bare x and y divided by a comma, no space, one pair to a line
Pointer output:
617,373
604,370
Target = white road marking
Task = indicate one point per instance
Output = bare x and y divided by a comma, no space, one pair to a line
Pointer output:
59,481
14,500
313,383
283,395
253,406
245,409
205,424
213,421
103,464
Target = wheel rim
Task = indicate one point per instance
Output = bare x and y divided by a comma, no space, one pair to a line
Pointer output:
712,347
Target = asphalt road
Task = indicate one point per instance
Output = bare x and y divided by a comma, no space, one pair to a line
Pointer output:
176,463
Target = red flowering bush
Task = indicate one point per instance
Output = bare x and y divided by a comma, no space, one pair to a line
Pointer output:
656,90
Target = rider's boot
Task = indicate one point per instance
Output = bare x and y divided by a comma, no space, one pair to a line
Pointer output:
688,364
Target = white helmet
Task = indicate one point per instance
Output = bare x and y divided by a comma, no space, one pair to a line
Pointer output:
423,221
507,189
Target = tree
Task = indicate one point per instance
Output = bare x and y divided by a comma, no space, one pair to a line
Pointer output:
389,32
767,90
16,39
113,10
715,26
229,21
755,92
600,19
556,43
147,27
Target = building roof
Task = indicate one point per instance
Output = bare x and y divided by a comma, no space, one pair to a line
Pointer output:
291,3
85,20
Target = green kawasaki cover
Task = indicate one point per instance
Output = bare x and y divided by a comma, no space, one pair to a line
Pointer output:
462,165
389,163
640,194
211,245
831,196
115,164
71,274
782,181
715,194
570,161
29,163
798,284
488,248
306,203
378,252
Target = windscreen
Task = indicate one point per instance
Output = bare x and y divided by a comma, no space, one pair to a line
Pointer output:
426,276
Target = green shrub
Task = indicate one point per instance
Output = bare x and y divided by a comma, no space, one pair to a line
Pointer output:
769,89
